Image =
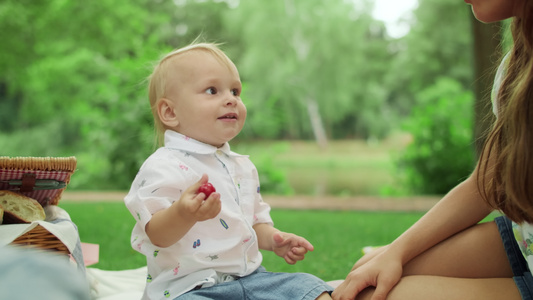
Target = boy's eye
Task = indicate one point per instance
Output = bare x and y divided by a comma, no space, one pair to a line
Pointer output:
235,92
211,91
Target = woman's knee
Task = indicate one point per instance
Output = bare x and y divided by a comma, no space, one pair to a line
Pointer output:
476,252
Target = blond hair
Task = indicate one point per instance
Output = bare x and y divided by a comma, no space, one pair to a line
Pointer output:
506,163
158,86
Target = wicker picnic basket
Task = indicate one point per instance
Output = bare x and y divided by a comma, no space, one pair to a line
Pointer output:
43,179
41,238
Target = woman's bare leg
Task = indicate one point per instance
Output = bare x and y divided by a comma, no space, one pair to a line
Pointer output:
447,288
472,264
324,296
476,252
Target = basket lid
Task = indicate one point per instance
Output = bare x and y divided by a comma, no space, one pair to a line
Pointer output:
41,178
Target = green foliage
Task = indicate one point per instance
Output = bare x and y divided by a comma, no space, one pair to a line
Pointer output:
265,118
273,179
345,168
72,76
311,52
441,153
439,44
37,141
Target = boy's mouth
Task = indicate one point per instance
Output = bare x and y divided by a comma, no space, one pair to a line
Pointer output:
230,116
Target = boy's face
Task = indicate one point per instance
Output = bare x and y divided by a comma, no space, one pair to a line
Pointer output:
206,97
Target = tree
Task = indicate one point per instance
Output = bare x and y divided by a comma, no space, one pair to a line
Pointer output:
440,156
437,46
72,76
72,81
311,53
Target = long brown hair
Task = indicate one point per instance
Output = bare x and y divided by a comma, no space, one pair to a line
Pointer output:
505,177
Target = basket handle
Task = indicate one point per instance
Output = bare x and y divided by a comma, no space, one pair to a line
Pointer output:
28,182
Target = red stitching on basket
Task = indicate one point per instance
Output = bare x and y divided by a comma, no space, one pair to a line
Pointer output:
43,196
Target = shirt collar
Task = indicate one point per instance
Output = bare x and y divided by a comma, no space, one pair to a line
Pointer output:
178,141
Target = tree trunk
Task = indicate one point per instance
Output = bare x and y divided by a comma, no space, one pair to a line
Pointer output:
487,51
316,123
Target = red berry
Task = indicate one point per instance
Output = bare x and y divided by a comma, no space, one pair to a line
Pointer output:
207,189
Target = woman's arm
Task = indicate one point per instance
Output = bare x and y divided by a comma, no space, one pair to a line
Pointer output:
461,208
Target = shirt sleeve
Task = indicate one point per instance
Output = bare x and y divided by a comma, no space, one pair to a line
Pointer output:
158,184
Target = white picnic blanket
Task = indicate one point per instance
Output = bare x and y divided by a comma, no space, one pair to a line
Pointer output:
116,285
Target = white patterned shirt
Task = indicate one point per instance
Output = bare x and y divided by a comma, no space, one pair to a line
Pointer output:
214,250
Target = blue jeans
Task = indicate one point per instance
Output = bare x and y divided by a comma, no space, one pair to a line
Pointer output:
264,285
522,275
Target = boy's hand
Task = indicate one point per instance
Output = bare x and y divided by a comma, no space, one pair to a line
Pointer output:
195,207
290,246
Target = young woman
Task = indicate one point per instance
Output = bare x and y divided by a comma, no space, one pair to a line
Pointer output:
448,254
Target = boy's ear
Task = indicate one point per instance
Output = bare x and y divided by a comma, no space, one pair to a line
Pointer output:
167,115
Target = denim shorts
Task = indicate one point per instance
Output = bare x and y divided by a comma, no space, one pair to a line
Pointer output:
522,274
263,285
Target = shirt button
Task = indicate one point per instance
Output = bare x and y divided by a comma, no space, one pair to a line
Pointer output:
219,152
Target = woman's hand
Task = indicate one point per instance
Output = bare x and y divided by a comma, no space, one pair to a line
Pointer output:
379,269
370,255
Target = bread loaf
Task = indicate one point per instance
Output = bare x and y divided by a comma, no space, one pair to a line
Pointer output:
20,209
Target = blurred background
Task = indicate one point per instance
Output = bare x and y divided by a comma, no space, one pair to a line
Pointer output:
343,99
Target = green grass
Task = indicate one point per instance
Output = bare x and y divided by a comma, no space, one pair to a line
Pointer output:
338,236
108,224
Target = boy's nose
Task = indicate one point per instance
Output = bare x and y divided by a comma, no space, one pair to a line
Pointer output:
231,99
